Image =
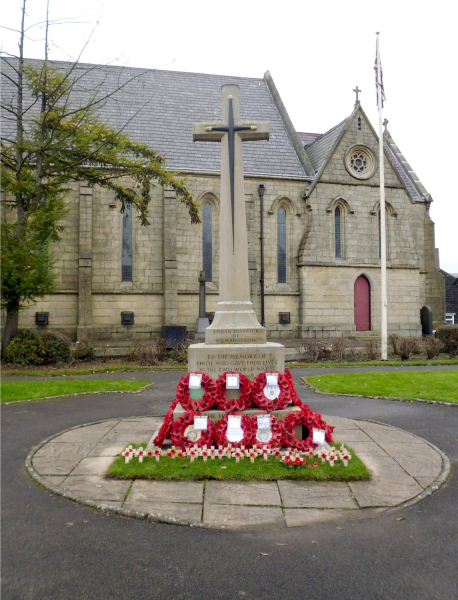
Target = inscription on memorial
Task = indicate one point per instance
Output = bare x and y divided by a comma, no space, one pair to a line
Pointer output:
248,364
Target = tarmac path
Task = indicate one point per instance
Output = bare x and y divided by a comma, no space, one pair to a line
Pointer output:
56,549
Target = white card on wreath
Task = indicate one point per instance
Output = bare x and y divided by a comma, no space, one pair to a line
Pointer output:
195,381
232,382
263,421
319,436
272,379
234,432
200,423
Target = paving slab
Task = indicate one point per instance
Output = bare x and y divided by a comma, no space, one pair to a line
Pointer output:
112,449
425,481
350,435
384,491
310,494
340,422
127,437
54,466
384,436
83,434
93,466
248,493
54,479
93,487
139,424
366,448
187,512
64,451
166,491
234,517
417,459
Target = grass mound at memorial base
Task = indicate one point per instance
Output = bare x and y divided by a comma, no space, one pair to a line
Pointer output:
182,469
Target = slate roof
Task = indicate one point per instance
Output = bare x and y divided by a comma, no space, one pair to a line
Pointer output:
320,148
158,108
414,193
307,138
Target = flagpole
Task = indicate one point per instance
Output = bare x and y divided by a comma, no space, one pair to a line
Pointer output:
383,297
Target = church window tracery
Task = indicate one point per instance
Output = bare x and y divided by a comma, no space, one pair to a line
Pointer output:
360,162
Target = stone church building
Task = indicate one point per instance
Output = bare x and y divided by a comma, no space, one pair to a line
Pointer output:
320,222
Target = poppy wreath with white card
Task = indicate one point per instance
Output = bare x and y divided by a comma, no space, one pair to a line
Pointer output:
294,397
166,427
229,404
309,419
271,437
225,434
185,434
207,400
269,397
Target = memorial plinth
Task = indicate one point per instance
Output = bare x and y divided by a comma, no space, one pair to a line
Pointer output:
249,359
235,341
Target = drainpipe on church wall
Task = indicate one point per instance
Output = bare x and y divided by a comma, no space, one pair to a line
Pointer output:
261,191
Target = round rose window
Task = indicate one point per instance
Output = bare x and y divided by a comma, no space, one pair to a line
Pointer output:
360,162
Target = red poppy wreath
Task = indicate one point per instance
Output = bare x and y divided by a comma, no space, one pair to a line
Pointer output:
270,438
309,419
184,434
294,397
270,404
207,400
166,427
248,427
229,404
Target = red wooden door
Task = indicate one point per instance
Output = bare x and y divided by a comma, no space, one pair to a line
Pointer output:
362,304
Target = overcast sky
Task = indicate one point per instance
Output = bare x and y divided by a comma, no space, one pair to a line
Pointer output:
316,52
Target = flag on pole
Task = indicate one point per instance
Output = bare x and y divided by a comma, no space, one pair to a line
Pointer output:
377,61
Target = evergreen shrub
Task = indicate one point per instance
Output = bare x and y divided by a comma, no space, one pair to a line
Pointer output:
29,347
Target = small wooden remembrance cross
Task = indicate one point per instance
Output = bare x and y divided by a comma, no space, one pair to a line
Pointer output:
231,132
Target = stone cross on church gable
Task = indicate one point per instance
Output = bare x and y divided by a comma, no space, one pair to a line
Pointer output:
230,133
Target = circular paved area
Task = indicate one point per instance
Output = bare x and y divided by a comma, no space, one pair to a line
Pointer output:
404,469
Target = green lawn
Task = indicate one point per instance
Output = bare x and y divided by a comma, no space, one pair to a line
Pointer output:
110,368
426,385
11,391
182,469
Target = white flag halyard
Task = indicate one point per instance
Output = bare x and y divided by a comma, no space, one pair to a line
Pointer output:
383,294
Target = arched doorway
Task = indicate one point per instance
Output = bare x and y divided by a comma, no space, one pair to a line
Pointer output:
426,318
362,304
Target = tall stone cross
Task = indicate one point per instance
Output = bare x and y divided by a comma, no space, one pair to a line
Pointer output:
357,91
234,283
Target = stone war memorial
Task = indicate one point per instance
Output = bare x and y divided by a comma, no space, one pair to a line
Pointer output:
236,367
235,340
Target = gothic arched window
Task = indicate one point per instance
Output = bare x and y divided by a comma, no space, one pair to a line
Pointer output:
207,242
281,245
127,258
338,231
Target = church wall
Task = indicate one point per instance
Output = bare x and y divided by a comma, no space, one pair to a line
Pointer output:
328,301
63,314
